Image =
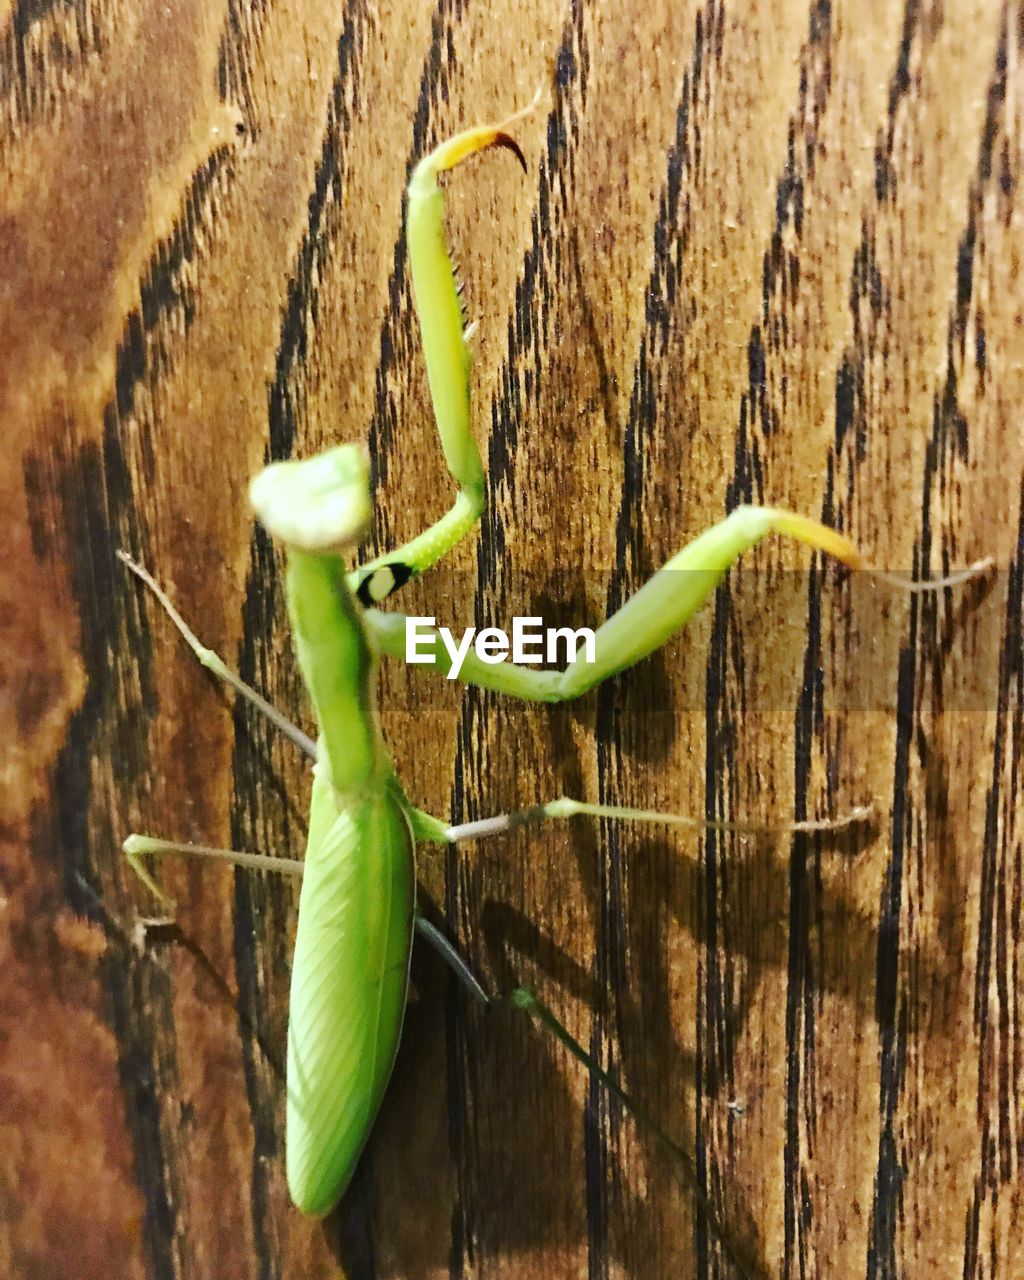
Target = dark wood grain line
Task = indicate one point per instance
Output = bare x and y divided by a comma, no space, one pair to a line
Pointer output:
1000,1143
46,43
1000,953
325,211
912,37
238,53
97,500
761,412
803,966
890,1012
761,409
970,247
990,154
950,441
520,381
918,689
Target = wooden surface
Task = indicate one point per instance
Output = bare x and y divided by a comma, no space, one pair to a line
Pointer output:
764,251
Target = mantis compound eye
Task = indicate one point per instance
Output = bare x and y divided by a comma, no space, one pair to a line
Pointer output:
320,504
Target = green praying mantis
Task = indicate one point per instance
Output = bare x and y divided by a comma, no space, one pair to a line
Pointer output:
357,911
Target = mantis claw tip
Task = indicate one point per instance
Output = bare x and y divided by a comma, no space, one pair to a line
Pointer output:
502,139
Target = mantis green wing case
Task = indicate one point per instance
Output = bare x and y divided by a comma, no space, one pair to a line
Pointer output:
349,986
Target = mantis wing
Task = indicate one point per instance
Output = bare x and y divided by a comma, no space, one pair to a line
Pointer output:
350,977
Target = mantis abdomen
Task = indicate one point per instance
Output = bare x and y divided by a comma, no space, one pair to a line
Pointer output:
349,982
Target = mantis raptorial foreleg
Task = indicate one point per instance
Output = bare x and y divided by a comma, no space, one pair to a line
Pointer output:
649,618
447,357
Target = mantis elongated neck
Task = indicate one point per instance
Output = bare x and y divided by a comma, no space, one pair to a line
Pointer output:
339,669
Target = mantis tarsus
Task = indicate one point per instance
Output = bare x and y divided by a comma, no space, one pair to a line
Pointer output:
357,910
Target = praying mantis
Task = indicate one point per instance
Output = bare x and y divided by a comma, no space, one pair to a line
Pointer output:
357,911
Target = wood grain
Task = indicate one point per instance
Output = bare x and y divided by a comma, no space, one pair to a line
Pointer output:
765,251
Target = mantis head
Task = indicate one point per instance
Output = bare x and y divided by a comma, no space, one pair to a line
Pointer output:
320,504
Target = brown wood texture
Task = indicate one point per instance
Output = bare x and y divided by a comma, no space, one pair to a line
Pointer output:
765,251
